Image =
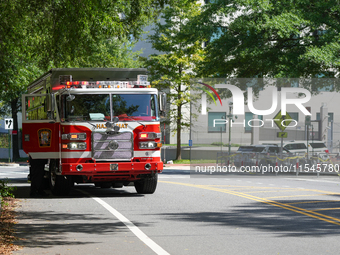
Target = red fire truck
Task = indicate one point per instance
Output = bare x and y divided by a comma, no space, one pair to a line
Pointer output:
94,125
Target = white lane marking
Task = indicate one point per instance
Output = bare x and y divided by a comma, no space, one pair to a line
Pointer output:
308,180
134,229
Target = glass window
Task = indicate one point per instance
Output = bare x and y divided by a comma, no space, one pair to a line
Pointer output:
97,107
87,107
134,106
294,115
317,145
330,116
36,107
249,116
216,126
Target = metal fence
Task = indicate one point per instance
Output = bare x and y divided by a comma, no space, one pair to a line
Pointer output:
322,163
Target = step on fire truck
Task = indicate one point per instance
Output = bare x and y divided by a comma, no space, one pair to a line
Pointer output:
94,125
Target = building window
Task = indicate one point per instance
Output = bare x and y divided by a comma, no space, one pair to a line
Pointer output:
220,123
330,116
249,116
294,116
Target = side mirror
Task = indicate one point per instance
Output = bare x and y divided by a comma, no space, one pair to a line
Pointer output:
162,102
70,98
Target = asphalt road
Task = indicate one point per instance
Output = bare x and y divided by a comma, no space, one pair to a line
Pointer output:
234,214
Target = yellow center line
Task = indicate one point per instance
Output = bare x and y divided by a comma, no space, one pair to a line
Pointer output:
260,188
327,209
297,189
311,202
250,187
313,195
309,213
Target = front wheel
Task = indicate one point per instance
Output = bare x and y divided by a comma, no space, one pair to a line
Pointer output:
60,185
147,185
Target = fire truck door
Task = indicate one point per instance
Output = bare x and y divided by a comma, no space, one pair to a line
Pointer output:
40,126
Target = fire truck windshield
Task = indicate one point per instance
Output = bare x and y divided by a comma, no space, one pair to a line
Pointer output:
101,107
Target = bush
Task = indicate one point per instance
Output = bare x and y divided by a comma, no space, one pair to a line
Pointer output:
4,141
225,144
5,190
217,143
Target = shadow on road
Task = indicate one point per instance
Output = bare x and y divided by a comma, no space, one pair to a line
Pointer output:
271,219
44,229
23,192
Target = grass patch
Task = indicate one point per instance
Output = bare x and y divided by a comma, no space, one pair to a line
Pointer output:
197,161
225,144
5,189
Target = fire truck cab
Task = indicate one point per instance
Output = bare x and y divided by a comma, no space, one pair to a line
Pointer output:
94,125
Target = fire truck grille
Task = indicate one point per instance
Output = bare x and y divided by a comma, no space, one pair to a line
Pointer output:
112,146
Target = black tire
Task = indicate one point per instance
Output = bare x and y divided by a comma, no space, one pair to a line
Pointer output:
147,185
59,185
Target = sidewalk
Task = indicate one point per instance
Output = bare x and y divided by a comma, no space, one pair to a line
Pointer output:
13,164
177,166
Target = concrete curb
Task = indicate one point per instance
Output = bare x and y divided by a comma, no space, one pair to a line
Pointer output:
9,165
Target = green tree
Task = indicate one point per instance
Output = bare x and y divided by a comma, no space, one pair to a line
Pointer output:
268,38
172,69
38,35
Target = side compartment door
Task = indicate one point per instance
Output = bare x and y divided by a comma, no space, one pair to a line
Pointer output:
40,126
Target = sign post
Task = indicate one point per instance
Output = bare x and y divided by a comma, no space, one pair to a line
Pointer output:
282,121
9,127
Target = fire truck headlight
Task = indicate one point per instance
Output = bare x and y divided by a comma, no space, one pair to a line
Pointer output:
149,145
74,136
150,135
74,146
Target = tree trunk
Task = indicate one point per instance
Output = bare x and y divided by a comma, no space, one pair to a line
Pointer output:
179,128
15,147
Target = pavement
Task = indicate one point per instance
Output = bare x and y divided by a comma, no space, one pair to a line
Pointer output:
13,164
177,166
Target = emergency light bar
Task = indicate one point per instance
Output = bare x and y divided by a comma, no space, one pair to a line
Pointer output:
140,83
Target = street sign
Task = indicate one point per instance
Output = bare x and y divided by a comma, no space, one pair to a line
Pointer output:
282,121
9,123
190,143
282,134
